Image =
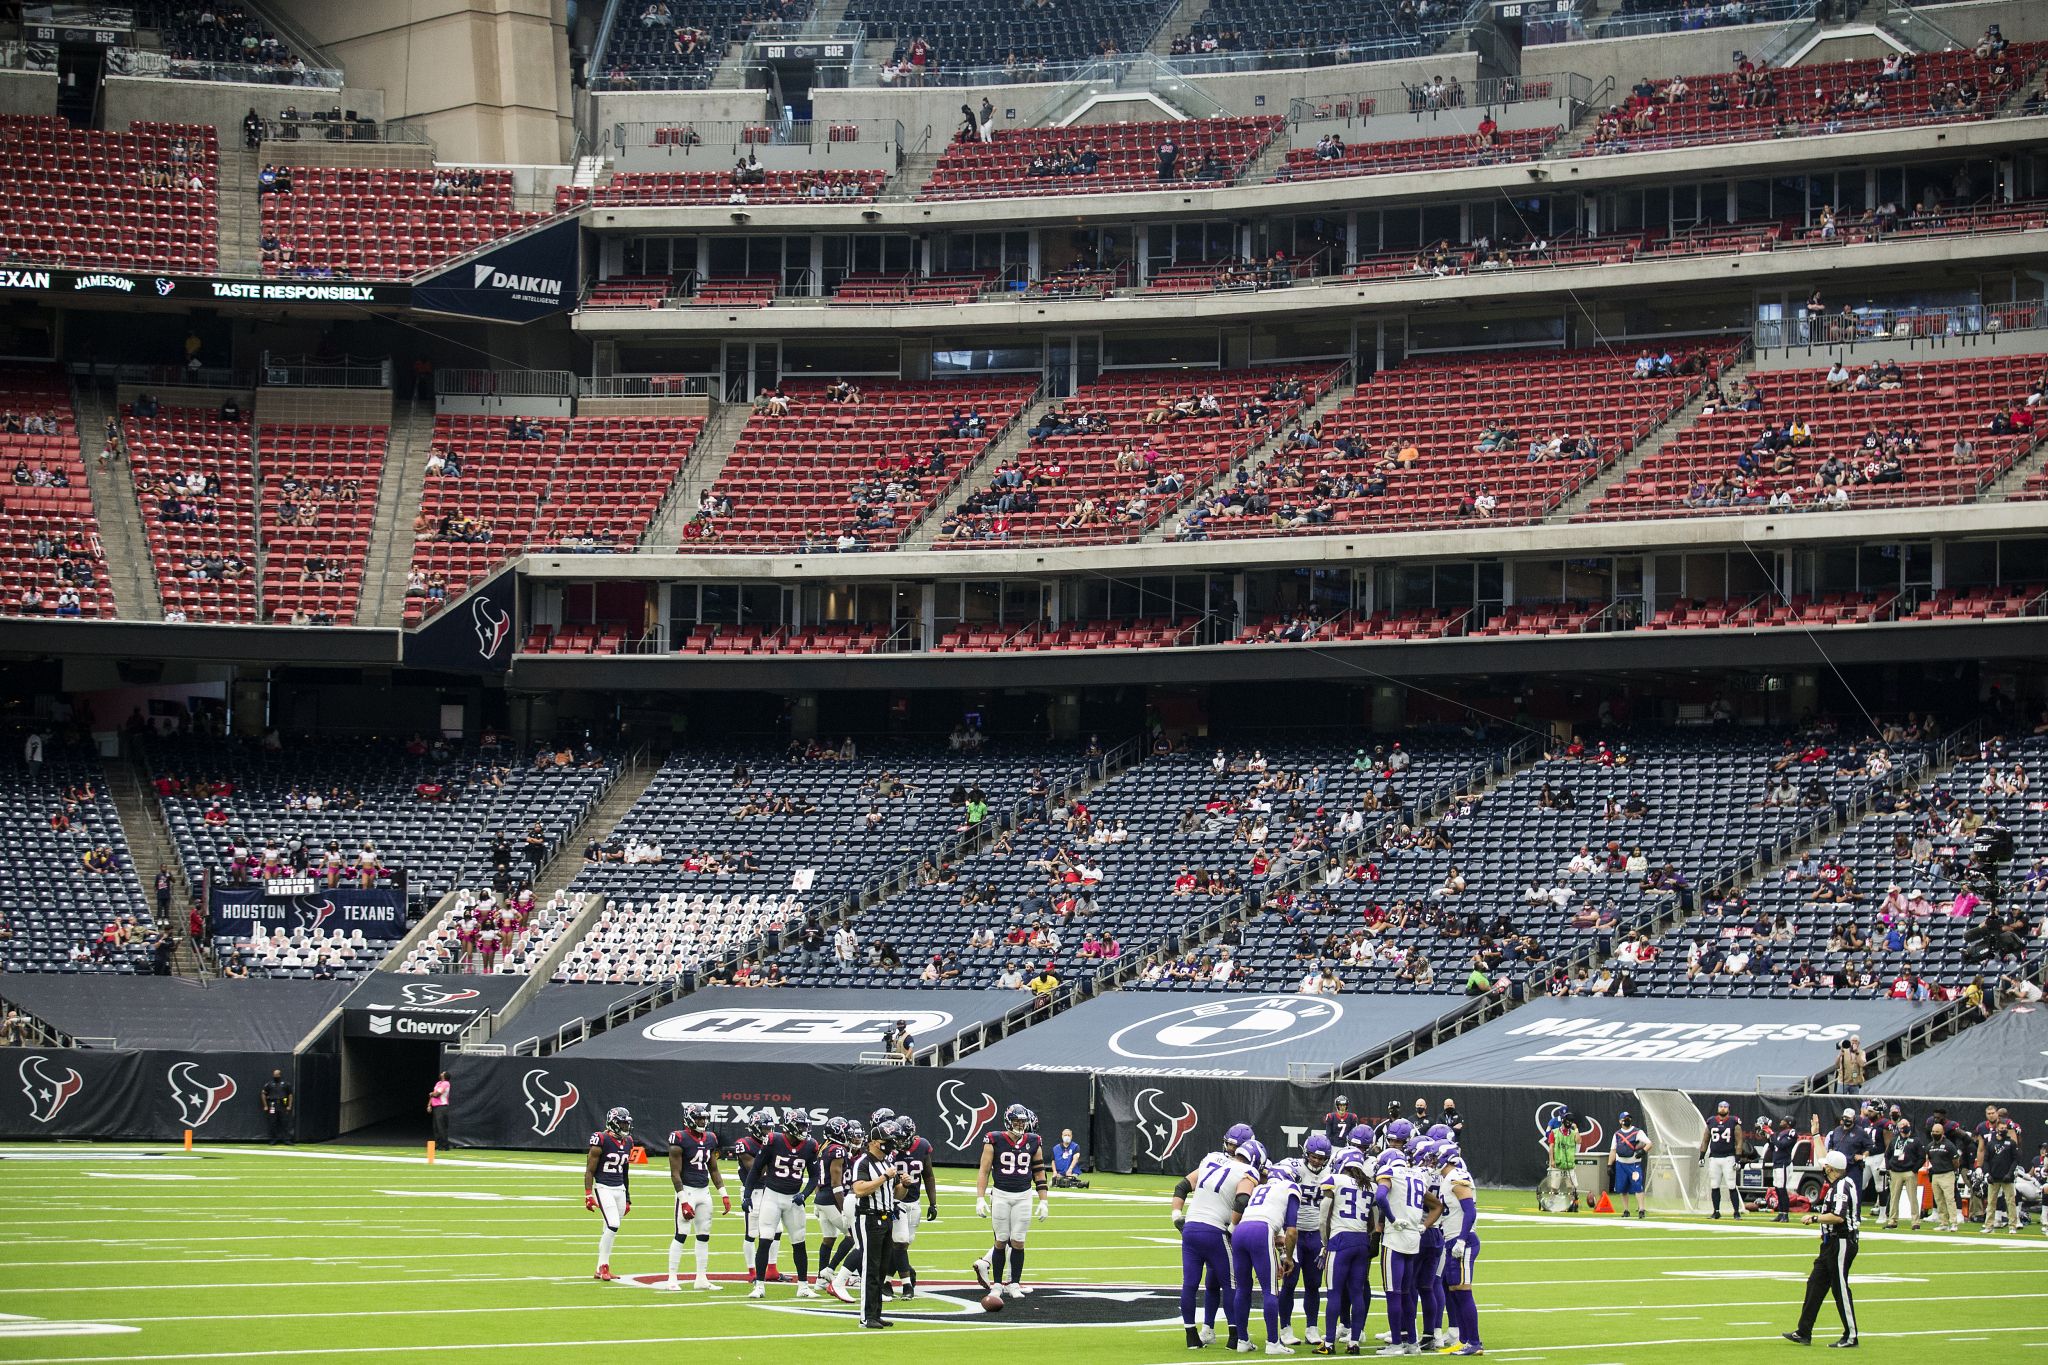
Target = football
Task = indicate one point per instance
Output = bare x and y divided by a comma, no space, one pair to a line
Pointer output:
992,1302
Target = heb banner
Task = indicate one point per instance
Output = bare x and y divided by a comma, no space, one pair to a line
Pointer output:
423,1008
554,1103
474,635
733,1025
528,277
246,910
1663,1043
147,1095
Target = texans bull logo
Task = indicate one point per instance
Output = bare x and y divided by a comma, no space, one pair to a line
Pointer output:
427,993
313,914
1546,1118
1162,1132
46,1093
197,1101
548,1105
492,626
965,1120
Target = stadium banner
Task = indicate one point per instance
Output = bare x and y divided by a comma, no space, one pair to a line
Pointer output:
49,285
433,1009
1200,1033
526,278
555,1103
733,1025
2005,1057
149,1095
473,635
1717,1044
248,910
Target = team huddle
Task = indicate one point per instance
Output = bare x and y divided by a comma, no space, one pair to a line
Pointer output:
862,1179
1314,1225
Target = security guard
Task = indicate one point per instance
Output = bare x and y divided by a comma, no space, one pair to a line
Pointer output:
1839,1215
875,1179
276,1104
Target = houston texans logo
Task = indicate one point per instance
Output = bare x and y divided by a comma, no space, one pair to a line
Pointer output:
548,1107
966,1120
427,993
313,914
492,626
1546,1118
164,287
1161,1131
46,1094
197,1101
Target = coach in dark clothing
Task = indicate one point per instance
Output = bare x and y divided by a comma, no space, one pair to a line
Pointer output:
1944,1159
276,1103
1903,1158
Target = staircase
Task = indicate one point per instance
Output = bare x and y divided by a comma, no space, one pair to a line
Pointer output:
150,845
399,491
1178,23
130,573
2024,468
917,168
975,477
1268,162
732,69
589,172
1660,436
241,220
1322,407
705,465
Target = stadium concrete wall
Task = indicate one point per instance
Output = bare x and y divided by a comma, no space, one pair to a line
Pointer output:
28,92
224,104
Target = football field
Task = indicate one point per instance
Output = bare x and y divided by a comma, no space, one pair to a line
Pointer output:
338,1254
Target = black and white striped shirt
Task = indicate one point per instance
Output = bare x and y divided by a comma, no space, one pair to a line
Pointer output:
1844,1200
881,1200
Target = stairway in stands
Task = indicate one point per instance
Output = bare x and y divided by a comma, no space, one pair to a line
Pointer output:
241,228
1169,525
975,477
1660,436
707,461
398,502
151,847
123,539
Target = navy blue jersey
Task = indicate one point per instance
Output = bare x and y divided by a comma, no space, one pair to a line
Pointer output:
1337,1127
1015,1157
915,1161
827,1154
781,1167
1721,1134
1782,1143
614,1157
700,1153
746,1152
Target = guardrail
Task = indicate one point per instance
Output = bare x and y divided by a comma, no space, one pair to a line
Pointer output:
1915,325
349,372
312,129
1491,92
647,386
477,383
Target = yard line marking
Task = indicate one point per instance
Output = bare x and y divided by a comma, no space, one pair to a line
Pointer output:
1687,1341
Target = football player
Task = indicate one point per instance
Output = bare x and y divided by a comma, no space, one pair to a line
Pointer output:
1262,1250
1461,1248
1205,1203
1237,1134
916,1163
1338,1123
844,1140
1719,1147
605,1188
746,1152
785,1172
1314,1175
1348,1236
1429,1266
1013,1160
693,1170
1405,1201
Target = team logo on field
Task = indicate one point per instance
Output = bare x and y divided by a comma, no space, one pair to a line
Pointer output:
1048,1305
1159,1128
47,1094
965,1119
548,1103
198,1101
1546,1119
431,993
1224,1028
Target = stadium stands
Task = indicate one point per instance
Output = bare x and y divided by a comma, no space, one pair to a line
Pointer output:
70,900
851,474
51,563
1110,462
319,498
196,485
1019,38
718,187
225,35
1377,29
1501,436
486,932
1098,159
362,223
591,482
139,200
1403,155
678,45
1818,440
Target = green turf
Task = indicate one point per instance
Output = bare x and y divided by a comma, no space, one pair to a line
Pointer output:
340,1254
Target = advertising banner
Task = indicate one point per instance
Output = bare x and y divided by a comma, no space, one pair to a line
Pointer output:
2003,1058
50,284
147,1095
528,277
743,1026
423,1008
247,910
474,635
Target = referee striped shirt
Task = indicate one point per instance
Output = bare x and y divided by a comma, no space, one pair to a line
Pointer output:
882,1199
1845,1201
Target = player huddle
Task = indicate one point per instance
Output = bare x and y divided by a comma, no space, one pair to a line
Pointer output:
859,1178
1400,1197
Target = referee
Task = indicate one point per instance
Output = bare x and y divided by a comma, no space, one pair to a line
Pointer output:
1839,1214
874,1190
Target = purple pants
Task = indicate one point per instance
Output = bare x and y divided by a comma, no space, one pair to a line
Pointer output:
1429,1282
1203,1247
1350,1285
1308,1266
1252,1256
1402,1275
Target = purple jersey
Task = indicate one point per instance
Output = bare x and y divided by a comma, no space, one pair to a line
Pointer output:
781,1165
1015,1157
614,1158
700,1153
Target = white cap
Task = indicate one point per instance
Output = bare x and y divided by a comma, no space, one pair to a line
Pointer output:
1836,1161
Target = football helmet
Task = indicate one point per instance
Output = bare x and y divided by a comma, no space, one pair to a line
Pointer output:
1253,1153
1448,1154
1284,1170
880,1117
796,1127
1017,1119
1315,1154
1441,1132
618,1120
1237,1136
1400,1130
696,1118
835,1130
761,1125
891,1133
908,1127
1389,1160
1362,1138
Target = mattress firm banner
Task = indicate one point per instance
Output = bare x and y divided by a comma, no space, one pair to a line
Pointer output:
423,1008
1195,1033
527,278
2003,1058
246,910
555,1103
743,1027
1666,1044
148,1095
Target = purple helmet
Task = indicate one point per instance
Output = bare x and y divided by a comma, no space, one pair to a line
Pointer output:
1316,1146
1238,1135
1422,1152
1353,1160
1440,1132
1448,1154
1252,1152
1400,1130
1362,1137
1389,1160
1283,1170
